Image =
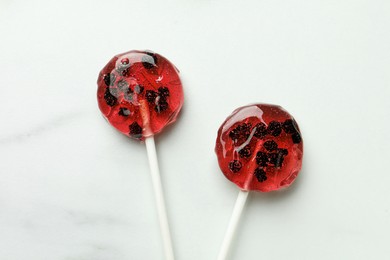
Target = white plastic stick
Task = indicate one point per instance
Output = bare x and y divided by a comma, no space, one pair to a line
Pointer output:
234,220
158,192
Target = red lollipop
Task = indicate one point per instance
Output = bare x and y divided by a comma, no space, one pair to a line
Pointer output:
139,93
259,147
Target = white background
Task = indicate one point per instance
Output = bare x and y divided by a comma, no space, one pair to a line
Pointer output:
72,188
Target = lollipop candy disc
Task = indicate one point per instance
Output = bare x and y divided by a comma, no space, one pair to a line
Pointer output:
139,93
259,147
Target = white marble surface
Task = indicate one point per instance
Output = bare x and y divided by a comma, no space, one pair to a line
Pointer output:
71,188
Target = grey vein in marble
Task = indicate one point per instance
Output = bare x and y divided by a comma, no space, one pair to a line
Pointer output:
48,125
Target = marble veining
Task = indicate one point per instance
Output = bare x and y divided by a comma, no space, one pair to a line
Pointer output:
47,125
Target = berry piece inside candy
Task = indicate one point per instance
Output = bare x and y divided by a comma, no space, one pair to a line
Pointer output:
259,147
274,128
131,78
270,145
260,174
261,130
235,166
135,130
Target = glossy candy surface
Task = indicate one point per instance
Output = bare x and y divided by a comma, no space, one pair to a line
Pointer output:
259,147
139,93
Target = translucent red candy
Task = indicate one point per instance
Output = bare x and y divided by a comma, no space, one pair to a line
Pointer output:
259,147
139,93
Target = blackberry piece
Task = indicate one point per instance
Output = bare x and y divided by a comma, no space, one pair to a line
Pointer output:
260,174
296,138
241,133
273,158
261,159
283,151
274,128
151,96
161,106
235,166
123,111
149,61
270,145
138,89
289,126
163,91
245,130
261,130
276,159
234,134
245,152
109,98
109,79
135,130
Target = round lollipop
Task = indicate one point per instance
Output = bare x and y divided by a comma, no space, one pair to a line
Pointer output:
259,148
139,93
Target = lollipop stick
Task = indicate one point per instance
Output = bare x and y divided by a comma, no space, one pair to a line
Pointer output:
158,192
235,218
156,180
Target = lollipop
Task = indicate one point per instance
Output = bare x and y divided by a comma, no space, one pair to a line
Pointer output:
139,93
259,148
